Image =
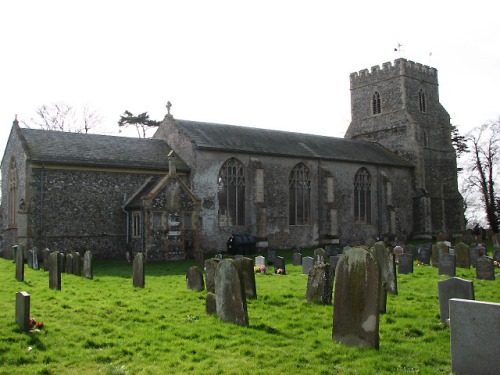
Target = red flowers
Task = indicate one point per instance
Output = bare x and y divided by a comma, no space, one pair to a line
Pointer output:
34,324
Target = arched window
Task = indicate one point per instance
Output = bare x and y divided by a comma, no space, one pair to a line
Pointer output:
299,186
421,101
13,193
232,193
376,108
362,197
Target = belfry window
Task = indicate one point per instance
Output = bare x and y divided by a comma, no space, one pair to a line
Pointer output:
231,182
13,196
421,101
362,197
376,108
299,186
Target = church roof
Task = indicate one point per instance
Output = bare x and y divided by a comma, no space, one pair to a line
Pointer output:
48,146
281,143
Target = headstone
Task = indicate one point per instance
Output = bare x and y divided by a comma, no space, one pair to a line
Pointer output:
279,265
410,249
297,259
405,264
194,279
462,255
77,261
270,256
319,256
88,267
62,260
437,250
356,310
398,250
30,258
331,251
138,272
425,253
210,304
447,265
238,256
36,265
307,264
69,264
218,256
370,242
19,263
496,241
55,270
496,256
473,338
248,274
46,259
320,285
23,311
333,263
14,253
385,259
210,266
260,261
454,287
485,268
474,254
231,304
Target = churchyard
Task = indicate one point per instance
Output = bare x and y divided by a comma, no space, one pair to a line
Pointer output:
114,323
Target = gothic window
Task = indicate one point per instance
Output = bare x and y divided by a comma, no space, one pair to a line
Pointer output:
376,109
136,224
421,101
13,193
232,193
362,197
299,186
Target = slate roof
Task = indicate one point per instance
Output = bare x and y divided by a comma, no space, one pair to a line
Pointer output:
281,143
46,146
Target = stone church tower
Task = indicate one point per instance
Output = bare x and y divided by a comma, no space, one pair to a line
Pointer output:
398,107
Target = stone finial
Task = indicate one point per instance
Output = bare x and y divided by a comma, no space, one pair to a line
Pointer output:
15,122
172,169
168,107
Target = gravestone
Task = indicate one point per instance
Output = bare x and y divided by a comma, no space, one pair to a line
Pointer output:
14,253
462,255
496,241
405,264
68,268
333,263
297,259
485,268
77,261
231,304
218,256
238,256
320,285
410,249
248,274
279,265
370,242
473,338
447,265
62,260
36,265
23,311
398,250
474,254
385,260
356,310
319,256
270,256
454,287
29,258
496,256
260,261
88,268
138,271
210,304
210,266
437,250
55,270
307,264
46,259
20,263
194,279
331,251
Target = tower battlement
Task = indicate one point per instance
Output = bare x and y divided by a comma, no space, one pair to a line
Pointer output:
401,67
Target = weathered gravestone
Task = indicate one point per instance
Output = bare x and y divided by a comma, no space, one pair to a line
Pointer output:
279,265
462,255
260,261
437,250
333,263
485,268
320,285
270,256
62,260
46,259
370,242
77,264
68,268
231,304
496,241
405,264
248,274
55,270
474,333
424,254
29,258
319,256
332,251
410,249
238,256
355,309
454,287
307,264
88,267
23,311
297,259
210,266
14,253
398,250
19,263
447,265
36,265
194,279
385,260
474,254
138,271
496,256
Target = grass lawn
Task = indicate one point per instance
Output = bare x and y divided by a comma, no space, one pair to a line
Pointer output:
106,326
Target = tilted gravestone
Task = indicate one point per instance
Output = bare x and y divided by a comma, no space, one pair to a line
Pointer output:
319,256
356,310
46,259
68,268
88,267
55,270
307,264
454,287
297,259
77,264
210,266
231,304
279,265
320,285
485,268
247,272
385,259
20,263
138,271
405,264
447,265
462,255
23,311
194,279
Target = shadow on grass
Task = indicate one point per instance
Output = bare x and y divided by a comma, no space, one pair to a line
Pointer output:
266,328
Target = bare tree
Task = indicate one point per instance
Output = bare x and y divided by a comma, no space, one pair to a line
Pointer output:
141,122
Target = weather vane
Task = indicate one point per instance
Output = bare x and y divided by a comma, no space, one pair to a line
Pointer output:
398,48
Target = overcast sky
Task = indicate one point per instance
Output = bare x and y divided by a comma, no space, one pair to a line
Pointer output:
268,64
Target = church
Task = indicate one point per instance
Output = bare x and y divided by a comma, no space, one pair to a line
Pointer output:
185,191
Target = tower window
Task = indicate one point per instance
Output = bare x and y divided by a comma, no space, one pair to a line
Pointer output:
376,109
362,197
232,193
421,101
299,186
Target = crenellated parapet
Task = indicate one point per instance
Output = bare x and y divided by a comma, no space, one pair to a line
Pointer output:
401,67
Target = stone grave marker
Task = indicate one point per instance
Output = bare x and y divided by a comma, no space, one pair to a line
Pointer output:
474,255
210,266
398,250
30,258
410,249
447,265
319,256
297,259
424,254
496,241
270,256
405,264
55,270
20,263
194,279
62,259
473,338
68,268
334,259
320,285
36,265
454,287
88,267
437,250
356,310
238,256
462,255
385,259
307,264
46,259
496,256
23,311
218,256
210,304
248,274
331,251
370,242
77,264
14,252
138,271
279,265
260,261
485,268
231,304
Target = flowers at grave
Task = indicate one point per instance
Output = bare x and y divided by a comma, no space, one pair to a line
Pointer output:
420,263
256,269
279,271
34,325
263,268
496,263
